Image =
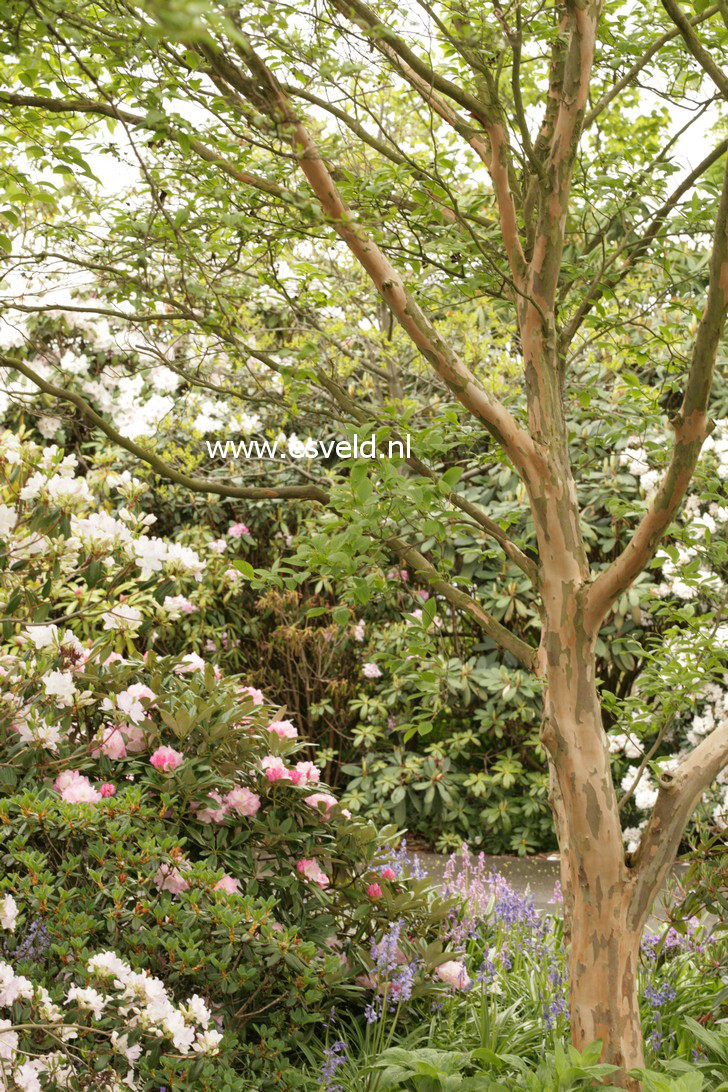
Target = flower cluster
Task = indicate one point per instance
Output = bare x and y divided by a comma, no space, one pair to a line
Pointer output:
121,998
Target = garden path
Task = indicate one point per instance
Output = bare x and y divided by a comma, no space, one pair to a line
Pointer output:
538,873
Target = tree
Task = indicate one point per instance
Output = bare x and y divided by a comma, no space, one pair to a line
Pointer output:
260,133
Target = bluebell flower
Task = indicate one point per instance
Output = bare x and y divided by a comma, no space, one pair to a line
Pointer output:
335,1056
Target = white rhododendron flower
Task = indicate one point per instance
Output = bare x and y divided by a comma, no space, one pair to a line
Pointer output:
123,617
60,685
8,913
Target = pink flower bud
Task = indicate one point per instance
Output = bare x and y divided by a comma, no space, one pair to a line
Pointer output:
388,873
166,759
107,789
374,891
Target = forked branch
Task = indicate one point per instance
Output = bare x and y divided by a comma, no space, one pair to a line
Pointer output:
692,426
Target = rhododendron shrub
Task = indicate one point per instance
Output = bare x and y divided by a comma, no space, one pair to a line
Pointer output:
159,809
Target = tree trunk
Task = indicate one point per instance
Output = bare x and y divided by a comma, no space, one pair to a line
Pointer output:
604,940
603,957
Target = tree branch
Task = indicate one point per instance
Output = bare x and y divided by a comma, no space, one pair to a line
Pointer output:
677,798
103,109
691,426
637,67
484,522
638,247
427,83
695,46
197,485
502,636
492,414
460,599
572,90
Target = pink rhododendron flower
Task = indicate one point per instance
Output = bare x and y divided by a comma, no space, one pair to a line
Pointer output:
166,759
284,729
136,739
423,594
81,792
374,891
113,658
75,788
311,773
256,696
107,789
237,530
454,974
210,814
112,743
170,879
371,671
275,768
296,777
388,873
309,869
326,798
243,801
228,884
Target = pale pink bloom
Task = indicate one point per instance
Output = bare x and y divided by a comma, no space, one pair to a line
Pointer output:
113,658
454,974
65,778
311,773
374,891
210,814
75,788
423,594
218,545
237,530
275,768
112,743
170,879
256,696
166,759
371,671
107,789
189,663
388,873
81,792
284,729
228,884
325,798
309,869
136,739
243,801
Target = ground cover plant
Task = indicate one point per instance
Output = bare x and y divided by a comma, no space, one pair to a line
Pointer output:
500,1016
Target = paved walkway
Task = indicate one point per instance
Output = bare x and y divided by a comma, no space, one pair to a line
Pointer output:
538,873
